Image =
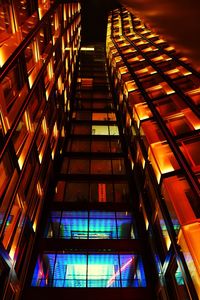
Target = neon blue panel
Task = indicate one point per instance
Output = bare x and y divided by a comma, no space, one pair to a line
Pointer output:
74,228
102,214
141,273
106,227
75,214
72,269
55,214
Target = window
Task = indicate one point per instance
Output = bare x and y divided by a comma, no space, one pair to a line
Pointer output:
6,171
89,270
162,159
90,225
190,149
22,137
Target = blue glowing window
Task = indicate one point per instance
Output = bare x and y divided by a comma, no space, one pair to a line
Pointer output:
89,270
90,225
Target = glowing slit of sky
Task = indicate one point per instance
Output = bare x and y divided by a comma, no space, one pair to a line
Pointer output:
112,279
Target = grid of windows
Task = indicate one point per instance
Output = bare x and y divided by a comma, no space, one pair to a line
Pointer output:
158,96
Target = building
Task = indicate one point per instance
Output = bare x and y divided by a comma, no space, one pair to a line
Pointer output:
99,159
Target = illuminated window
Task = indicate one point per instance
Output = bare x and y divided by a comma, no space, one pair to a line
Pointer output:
180,199
36,105
175,279
22,138
162,159
6,171
188,240
12,223
91,270
190,149
12,89
92,225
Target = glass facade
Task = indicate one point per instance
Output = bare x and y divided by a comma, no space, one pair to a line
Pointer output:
99,161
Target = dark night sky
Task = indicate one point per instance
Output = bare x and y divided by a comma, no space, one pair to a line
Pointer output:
94,19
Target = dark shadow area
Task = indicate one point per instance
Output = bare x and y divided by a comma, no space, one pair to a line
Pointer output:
94,19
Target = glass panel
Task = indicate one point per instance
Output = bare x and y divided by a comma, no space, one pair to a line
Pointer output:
101,270
6,171
100,130
80,146
121,192
102,225
101,192
118,166
190,149
180,200
78,191
78,166
100,146
113,130
162,159
101,166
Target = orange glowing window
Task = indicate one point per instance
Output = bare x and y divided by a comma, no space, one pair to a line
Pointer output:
162,159
161,58
11,86
177,72
24,10
151,133
128,50
101,192
129,86
170,105
188,83
159,90
121,71
181,123
194,95
190,149
6,171
149,49
135,59
180,199
43,6
148,70
36,105
135,97
142,112
188,240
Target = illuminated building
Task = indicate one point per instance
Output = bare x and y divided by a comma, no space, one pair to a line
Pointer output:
99,163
